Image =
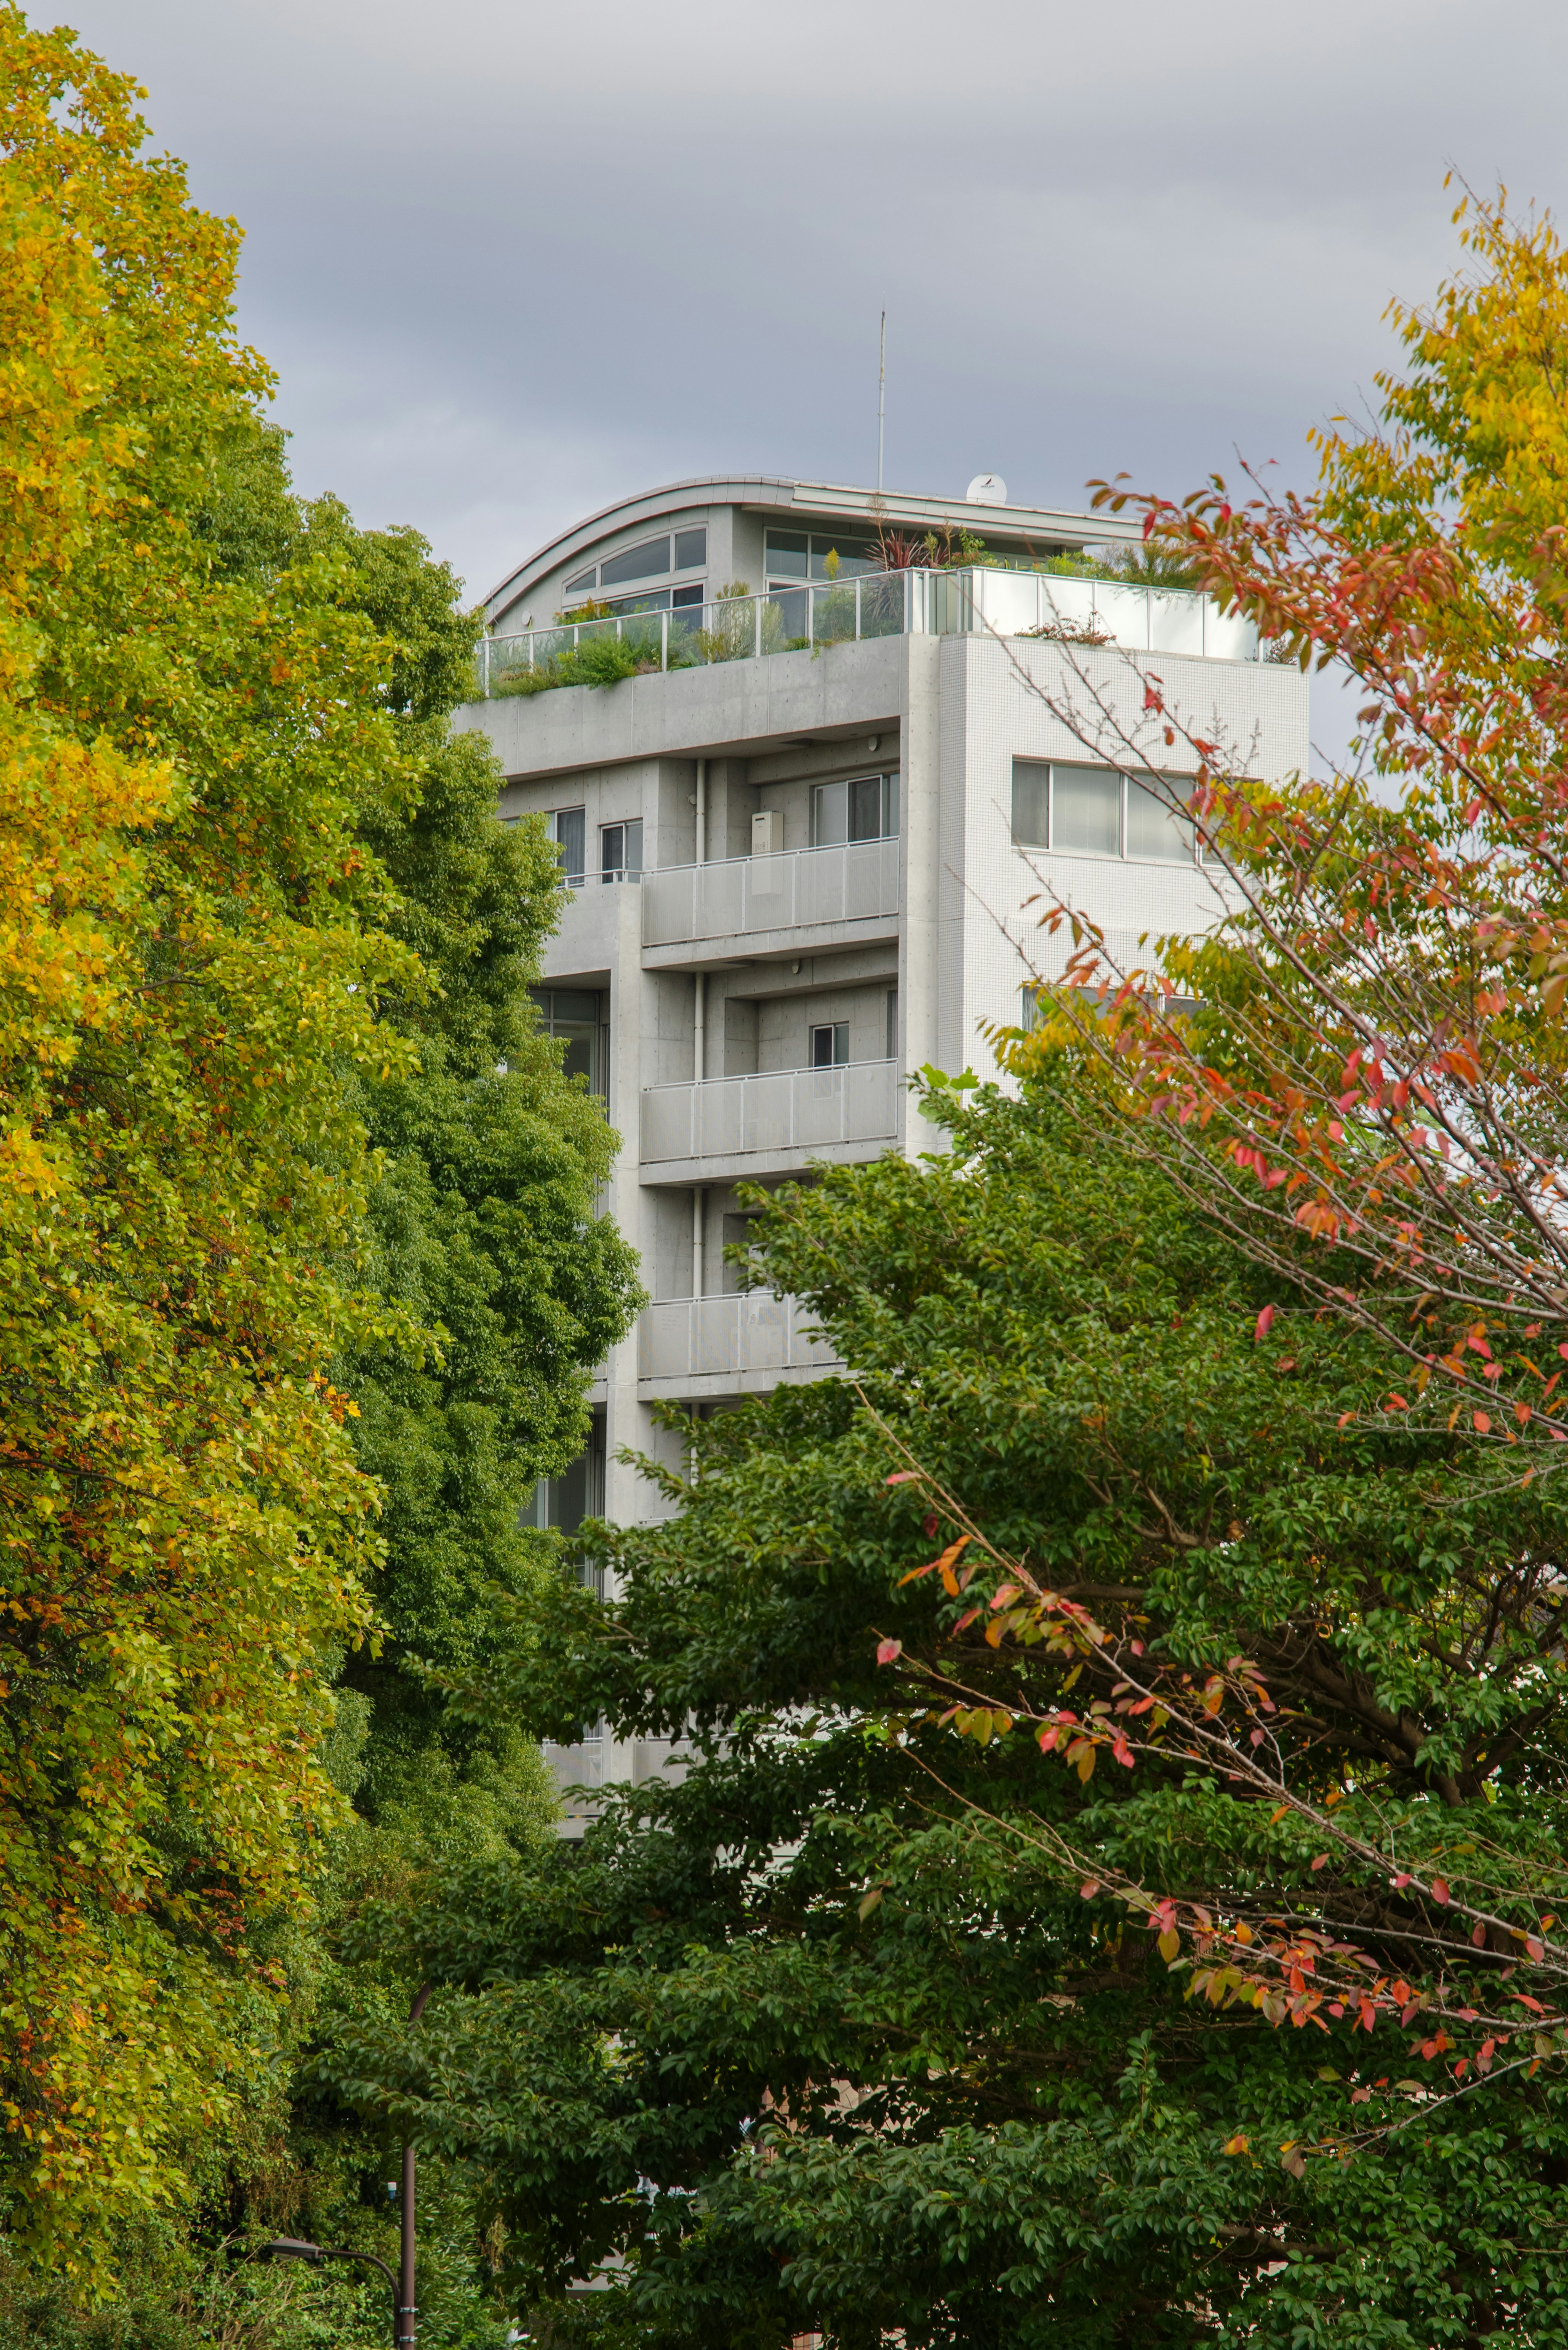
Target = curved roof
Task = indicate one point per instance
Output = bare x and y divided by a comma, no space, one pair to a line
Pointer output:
771,493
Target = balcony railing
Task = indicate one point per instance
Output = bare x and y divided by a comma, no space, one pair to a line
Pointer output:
974,602
785,1109
698,1337
851,882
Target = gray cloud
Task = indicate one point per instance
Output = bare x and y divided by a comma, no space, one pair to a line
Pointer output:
512,262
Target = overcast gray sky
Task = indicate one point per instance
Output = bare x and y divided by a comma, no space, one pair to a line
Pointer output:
512,262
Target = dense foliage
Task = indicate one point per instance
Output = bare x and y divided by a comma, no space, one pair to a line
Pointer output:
300,1277
859,2027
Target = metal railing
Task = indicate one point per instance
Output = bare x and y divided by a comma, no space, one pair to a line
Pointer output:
783,1109
697,1338
809,618
850,882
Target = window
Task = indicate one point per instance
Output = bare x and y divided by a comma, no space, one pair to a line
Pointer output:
578,1493
1154,827
1086,810
650,558
576,1015
568,828
794,555
1030,804
830,1044
644,562
620,851
866,807
892,1024
1029,1007
1096,812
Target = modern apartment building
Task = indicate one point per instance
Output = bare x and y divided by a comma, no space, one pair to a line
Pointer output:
799,841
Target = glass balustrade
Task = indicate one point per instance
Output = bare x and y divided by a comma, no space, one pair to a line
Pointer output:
819,615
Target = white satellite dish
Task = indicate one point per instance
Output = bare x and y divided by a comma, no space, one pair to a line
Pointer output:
986,490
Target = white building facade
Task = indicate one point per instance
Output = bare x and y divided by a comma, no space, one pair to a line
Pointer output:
800,839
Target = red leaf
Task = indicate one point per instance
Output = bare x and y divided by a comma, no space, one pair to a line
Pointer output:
889,1650
1321,1861
1089,1890
1260,1328
902,1477
1439,1890
1482,1424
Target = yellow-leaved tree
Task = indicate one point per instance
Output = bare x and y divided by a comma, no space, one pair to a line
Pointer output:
189,957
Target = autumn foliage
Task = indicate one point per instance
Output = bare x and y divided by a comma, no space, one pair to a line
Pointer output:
184,961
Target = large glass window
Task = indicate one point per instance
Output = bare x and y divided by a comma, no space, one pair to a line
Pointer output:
1155,827
568,828
650,558
577,1492
644,562
1097,812
1086,810
807,555
575,1014
862,807
620,851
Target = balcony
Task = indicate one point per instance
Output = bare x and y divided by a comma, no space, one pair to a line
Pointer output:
697,1346
742,896
980,601
703,1129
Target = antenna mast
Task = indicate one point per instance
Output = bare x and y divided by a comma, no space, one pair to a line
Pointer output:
881,399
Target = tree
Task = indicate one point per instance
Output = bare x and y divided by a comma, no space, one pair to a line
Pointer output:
859,2025
262,946
187,957
1371,1093
484,1216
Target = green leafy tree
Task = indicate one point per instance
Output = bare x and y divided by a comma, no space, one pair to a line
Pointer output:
895,2013
262,949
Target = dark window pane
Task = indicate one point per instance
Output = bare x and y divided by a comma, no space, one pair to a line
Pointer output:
854,554
652,599
890,807
637,562
682,597
788,554
1085,810
583,580
866,808
830,1044
691,549
892,1024
573,1003
1031,803
620,850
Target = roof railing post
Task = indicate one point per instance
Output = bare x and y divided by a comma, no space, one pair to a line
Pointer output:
664,640
757,626
857,609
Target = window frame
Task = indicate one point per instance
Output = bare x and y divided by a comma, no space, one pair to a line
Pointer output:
1122,854
888,812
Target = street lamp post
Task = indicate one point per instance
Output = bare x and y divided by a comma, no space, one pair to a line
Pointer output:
295,2248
